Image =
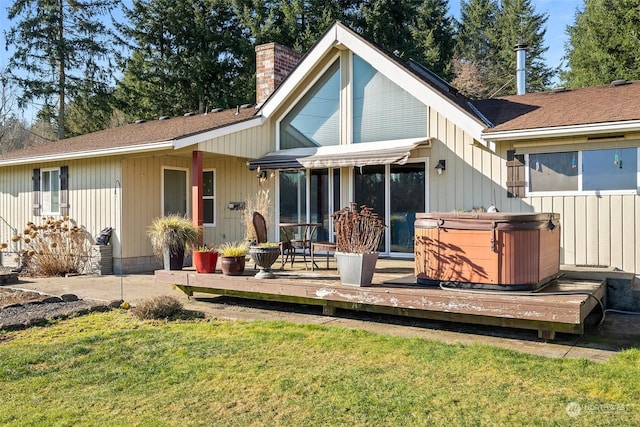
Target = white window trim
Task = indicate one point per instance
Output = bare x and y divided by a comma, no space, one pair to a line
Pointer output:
215,212
187,192
45,209
579,192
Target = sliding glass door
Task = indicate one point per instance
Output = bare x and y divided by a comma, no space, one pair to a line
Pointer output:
396,193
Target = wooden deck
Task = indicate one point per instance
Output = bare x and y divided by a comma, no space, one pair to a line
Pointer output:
392,293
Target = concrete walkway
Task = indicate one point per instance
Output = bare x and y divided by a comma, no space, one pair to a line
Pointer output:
599,343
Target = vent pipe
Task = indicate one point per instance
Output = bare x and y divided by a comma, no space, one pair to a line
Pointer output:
521,53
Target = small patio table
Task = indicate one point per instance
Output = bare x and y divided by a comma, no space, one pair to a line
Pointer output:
301,241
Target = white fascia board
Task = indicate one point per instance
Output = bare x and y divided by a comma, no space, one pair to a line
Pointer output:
140,148
300,72
563,131
339,35
413,85
216,133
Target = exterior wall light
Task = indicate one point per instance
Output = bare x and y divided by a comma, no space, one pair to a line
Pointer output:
441,166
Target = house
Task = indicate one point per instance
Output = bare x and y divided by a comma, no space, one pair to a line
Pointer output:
350,122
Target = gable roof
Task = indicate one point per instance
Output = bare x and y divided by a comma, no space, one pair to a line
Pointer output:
590,110
410,76
146,136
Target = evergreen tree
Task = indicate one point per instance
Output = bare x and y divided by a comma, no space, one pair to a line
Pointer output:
186,56
412,29
485,61
60,46
518,23
433,34
604,43
297,24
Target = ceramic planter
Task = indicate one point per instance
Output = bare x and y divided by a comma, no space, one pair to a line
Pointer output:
264,257
232,265
356,269
205,261
173,260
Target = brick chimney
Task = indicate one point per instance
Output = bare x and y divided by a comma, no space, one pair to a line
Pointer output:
273,64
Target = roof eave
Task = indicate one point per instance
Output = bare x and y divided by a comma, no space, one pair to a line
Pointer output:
218,132
139,148
562,131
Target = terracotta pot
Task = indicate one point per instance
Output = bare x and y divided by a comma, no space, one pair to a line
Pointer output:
205,262
232,265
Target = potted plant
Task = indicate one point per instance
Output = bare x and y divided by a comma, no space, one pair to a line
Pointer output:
358,236
233,257
170,237
205,259
264,255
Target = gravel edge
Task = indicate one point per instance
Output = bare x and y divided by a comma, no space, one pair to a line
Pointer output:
37,313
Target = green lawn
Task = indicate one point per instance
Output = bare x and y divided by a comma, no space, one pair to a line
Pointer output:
111,369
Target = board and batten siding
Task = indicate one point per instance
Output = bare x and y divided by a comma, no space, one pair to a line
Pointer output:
93,203
597,230
248,144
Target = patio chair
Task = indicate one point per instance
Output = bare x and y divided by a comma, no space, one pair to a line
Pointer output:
260,227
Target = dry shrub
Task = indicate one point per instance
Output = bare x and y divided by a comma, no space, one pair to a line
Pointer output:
260,202
55,247
160,307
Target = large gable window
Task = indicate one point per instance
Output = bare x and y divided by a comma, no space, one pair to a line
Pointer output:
381,109
609,170
315,120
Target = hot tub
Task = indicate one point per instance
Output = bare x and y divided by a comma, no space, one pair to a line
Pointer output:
507,251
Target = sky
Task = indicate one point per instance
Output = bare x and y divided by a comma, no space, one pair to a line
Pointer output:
561,13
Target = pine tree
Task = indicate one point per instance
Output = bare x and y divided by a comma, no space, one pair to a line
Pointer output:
604,43
485,62
518,23
186,56
59,46
433,34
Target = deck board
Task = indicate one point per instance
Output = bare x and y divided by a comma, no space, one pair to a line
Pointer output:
551,313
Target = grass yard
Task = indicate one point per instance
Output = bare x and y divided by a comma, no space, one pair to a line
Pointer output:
111,369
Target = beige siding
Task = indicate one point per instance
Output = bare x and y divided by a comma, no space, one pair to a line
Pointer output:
249,144
473,173
93,203
599,230
234,183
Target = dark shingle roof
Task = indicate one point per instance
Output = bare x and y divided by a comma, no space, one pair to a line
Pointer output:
135,134
590,105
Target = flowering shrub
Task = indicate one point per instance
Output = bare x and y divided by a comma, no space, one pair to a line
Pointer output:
54,248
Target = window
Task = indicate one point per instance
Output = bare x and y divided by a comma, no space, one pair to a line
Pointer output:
315,120
50,194
583,171
174,192
293,196
381,109
610,169
51,191
553,172
209,198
